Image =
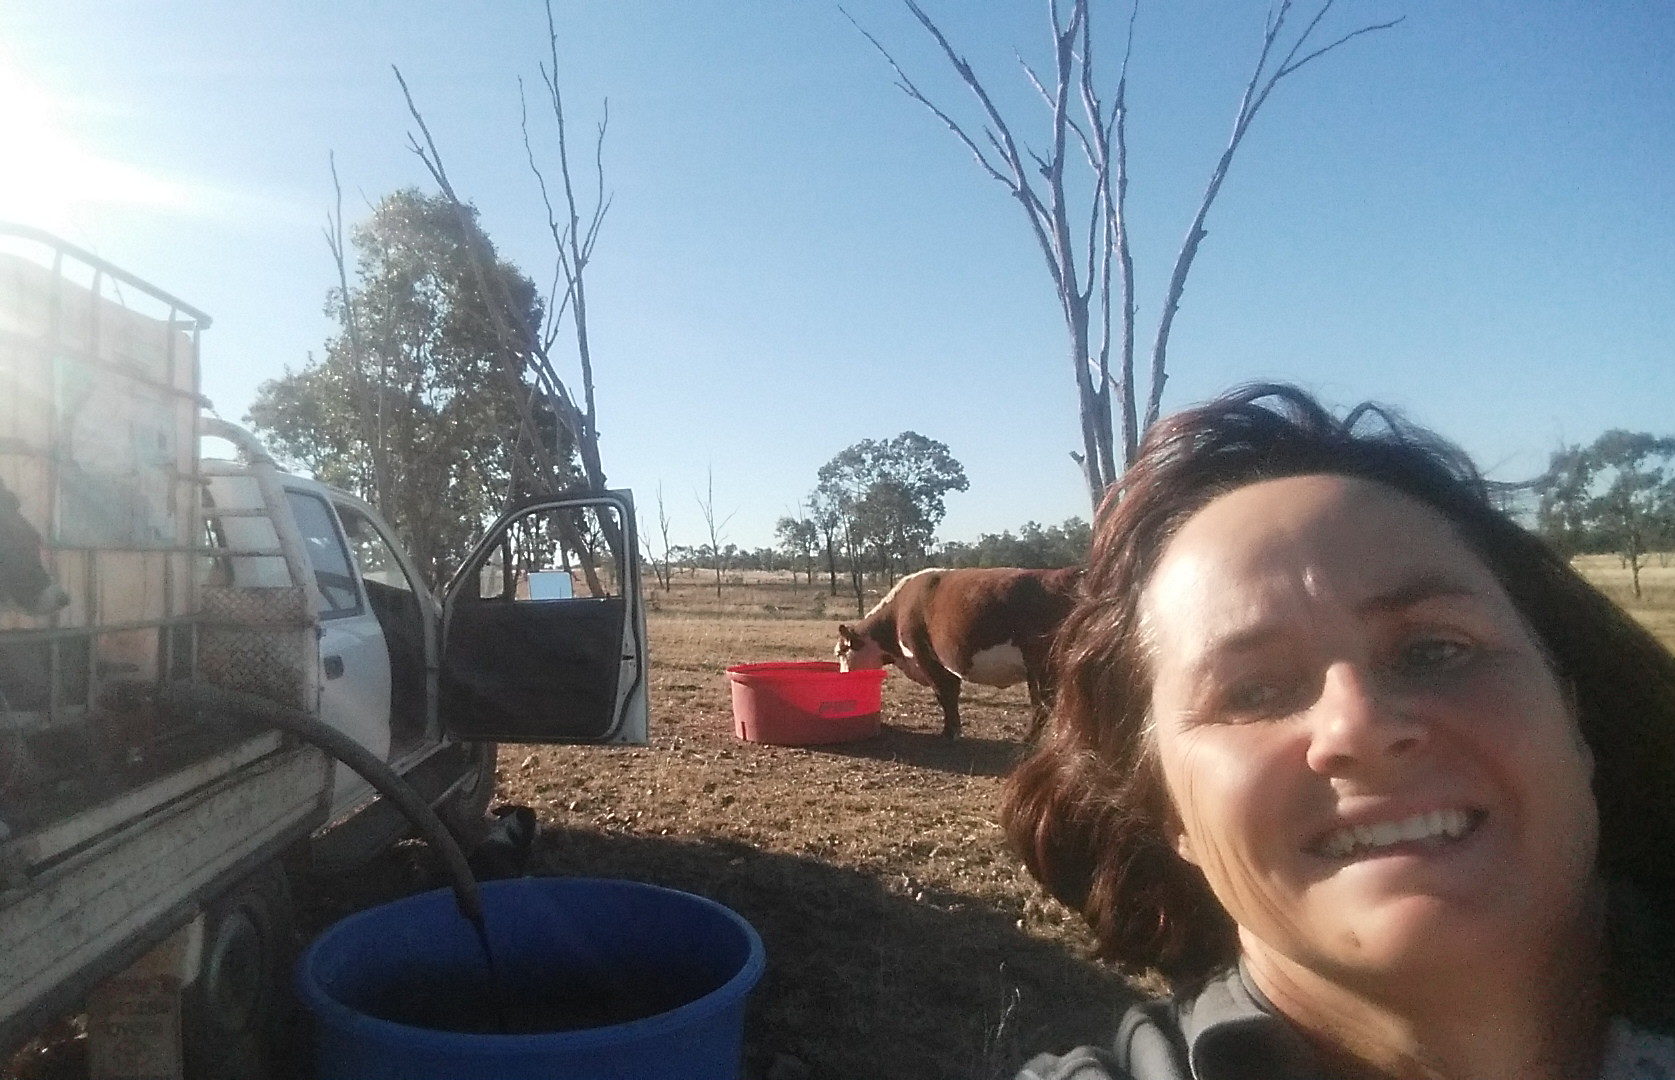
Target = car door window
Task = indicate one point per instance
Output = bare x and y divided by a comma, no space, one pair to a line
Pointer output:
395,600
562,554
336,595
373,552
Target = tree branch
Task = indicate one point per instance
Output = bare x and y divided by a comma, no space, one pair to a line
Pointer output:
1255,95
1021,188
371,402
520,342
555,316
911,89
1323,50
1118,207
588,444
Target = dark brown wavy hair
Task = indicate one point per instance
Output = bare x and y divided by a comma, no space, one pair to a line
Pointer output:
1088,811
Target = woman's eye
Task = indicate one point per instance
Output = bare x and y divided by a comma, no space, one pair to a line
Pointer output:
1253,698
1427,655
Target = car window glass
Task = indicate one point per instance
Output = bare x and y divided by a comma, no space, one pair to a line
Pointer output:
571,553
332,572
373,552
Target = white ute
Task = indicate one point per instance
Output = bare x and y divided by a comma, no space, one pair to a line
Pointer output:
148,842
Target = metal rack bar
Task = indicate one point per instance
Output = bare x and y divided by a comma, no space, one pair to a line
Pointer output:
40,236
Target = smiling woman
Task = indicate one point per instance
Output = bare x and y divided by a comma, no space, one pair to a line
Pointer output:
1377,783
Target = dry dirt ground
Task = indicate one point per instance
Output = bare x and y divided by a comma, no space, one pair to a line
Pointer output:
903,939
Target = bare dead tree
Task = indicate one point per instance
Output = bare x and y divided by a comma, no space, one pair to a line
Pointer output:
369,393
521,342
1086,246
528,348
706,504
664,567
574,249
649,554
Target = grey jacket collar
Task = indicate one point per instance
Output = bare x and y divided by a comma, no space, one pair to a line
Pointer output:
1232,1033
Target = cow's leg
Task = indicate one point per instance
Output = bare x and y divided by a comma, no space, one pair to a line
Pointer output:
1037,704
948,696
918,648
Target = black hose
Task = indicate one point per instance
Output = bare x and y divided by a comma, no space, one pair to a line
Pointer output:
384,779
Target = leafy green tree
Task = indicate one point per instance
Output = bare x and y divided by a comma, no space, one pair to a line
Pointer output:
1616,494
798,537
416,410
1561,514
1633,477
825,512
890,495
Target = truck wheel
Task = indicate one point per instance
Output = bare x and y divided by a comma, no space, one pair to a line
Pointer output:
465,811
236,1015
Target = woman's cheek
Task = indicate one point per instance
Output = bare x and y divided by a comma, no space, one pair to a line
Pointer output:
1222,792
1510,701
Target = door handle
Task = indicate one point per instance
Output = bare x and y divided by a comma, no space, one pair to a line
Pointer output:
333,666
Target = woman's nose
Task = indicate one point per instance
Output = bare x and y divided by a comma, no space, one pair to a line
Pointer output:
1356,723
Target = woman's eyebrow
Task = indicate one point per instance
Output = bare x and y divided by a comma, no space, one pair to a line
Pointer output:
1245,639
1415,591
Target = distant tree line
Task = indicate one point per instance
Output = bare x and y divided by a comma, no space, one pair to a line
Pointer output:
1613,496
1034,547
731,558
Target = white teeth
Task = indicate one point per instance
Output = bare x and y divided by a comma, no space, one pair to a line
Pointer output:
1452,824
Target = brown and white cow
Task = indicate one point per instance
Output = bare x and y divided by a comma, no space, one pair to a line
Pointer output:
24,581
943,628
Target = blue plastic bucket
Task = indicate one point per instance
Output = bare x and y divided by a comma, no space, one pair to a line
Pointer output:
644,982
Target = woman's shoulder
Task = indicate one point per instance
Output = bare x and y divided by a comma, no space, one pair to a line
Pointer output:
1226,1028
1149,1045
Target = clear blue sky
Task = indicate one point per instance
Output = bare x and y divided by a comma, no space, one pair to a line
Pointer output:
1468,216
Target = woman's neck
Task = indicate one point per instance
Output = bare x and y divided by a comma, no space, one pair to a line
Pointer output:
1536,1017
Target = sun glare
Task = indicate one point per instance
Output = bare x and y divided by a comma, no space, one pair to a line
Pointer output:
51,179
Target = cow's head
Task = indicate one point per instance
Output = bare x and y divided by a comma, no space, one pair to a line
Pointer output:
24,581
857,651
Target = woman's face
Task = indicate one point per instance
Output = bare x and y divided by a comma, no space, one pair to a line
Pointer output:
1370,760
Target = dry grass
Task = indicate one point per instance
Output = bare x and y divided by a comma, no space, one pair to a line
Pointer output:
1655,607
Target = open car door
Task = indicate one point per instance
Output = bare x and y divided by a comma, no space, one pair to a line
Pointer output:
543,633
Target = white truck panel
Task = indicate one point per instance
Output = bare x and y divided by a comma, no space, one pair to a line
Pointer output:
132,882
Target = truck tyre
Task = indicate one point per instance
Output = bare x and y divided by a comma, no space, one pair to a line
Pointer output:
465,811
237,1015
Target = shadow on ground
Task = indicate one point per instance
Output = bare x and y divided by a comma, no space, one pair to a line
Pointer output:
966,755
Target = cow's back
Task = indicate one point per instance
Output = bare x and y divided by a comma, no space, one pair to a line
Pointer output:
967,613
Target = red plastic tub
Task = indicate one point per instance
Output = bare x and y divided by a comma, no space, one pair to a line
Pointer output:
802,703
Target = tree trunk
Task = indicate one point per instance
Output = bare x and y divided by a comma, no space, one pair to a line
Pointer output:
855,574
570,538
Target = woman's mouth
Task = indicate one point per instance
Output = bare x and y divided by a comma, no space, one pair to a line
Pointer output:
1435,828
